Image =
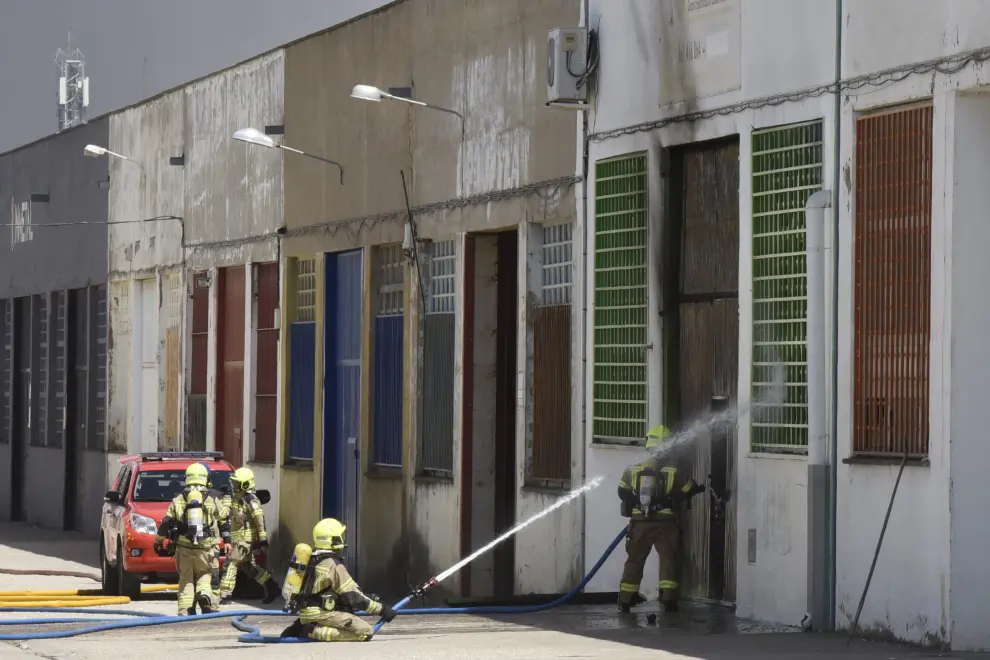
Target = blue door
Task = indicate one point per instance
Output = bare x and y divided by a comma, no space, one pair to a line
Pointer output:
342,393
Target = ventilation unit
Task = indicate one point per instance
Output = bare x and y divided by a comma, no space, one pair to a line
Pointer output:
567,68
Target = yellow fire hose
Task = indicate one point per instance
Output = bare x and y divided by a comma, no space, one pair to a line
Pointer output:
72,597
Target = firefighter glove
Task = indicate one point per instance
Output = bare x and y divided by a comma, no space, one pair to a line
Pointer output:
260,545
388,613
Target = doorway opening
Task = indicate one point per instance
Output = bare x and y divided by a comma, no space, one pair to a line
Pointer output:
701,279
230,364
342,341
489,400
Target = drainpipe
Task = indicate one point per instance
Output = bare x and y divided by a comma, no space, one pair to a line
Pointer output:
584,312
818,466
836,170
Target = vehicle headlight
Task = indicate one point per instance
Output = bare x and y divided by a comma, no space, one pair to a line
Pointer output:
143,524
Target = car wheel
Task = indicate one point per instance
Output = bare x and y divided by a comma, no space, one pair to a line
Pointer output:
108,574
130,584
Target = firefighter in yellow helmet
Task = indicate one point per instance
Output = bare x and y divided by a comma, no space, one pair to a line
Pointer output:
329,596
191,522
248,538
650,492
222,496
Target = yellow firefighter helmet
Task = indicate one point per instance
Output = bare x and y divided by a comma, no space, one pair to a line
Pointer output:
329,535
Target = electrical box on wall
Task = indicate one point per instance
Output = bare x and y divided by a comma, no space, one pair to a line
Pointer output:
567,67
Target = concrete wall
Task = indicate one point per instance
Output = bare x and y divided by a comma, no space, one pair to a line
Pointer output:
52,259
770,492
486,62
929,586
968,233
228,196
934,571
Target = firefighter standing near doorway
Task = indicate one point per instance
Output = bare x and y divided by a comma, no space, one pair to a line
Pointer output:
222,496
191,522
248,537
650,493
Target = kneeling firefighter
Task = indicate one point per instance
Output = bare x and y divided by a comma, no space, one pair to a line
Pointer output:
324,595
191,522
650,493
248,538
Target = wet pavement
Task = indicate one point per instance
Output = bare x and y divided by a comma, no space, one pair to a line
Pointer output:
697,631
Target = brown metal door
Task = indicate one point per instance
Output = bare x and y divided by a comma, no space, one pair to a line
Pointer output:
230,365
707,354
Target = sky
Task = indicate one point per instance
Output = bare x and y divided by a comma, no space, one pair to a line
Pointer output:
134,49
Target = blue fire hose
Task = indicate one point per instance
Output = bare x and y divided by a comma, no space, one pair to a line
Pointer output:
252,634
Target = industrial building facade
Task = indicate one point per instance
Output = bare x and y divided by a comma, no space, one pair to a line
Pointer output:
53,331
466,313
705,147
399,367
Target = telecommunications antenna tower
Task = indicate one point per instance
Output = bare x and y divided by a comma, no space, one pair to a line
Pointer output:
73,87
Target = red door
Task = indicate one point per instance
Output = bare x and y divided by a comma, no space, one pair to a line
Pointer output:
230,364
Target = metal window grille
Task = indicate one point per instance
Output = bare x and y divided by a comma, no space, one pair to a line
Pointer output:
120,330
21,229
443,265
892,282
620,300
172,362
557,267
787,169
548,451
121,304
437,456
98,427
39,372
391,280
61,352
6,366
306,290
388,358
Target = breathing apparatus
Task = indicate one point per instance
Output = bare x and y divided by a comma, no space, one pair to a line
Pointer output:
195,520
298,566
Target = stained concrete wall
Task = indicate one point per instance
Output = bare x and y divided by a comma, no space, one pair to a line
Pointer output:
54,258
485,61
769,490
927,587
228,198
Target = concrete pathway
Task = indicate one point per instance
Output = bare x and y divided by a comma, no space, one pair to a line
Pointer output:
568,632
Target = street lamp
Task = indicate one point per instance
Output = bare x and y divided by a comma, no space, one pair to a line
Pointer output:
94,151
372,93
254,136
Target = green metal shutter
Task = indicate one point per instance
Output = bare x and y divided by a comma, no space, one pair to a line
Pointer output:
787,169
620,319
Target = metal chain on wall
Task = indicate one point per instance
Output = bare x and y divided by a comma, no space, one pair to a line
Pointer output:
372,220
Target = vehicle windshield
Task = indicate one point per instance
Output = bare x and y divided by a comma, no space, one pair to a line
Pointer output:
164,485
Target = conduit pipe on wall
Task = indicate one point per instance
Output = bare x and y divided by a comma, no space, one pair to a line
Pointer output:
829,623
818,465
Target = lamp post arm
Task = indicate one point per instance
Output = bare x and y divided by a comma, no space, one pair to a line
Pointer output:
427,105
315,157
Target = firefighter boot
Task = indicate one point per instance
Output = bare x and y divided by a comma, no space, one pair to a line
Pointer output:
636,600
670,606
295,629
272,591
205,604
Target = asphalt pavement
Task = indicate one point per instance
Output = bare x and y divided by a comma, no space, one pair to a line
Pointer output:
567,632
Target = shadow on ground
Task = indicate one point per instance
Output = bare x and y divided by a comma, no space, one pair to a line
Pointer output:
73,547
712,633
